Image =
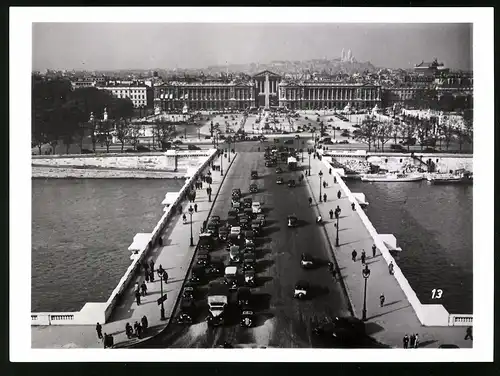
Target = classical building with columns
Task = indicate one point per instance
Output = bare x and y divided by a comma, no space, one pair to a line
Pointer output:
265,90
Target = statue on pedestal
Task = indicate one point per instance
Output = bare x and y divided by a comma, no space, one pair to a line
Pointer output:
105,115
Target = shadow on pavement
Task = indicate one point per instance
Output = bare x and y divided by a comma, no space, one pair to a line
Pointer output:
391,303
262,265
385,313
272,230
261,281
426,343
372,328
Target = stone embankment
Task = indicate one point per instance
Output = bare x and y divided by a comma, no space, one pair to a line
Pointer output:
42,172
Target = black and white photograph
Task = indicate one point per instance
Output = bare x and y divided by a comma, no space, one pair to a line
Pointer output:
257,179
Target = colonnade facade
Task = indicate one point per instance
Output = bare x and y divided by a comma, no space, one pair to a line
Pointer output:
310,96
204,96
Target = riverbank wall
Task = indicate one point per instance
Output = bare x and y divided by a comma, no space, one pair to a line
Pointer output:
93,312
395,161
428,314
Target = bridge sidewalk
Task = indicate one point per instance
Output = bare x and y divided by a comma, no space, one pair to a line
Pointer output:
175,257
387,324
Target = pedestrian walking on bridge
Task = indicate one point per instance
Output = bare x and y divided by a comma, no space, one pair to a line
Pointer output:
98,329
374,250
324,197
331,213
406,339
412,341
310,201
391,268
382,299
363,257
353,206
138,297
335,180
416,341
144,288
339,194
144,322
196,208
468,333
354,254
324,185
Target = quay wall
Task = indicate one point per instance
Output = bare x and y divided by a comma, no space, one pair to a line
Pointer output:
394,161
428,314
181,160
100,312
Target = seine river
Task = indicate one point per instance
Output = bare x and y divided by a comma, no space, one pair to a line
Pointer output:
81,230
433,226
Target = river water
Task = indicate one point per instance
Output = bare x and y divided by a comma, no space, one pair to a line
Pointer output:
433,226
81,231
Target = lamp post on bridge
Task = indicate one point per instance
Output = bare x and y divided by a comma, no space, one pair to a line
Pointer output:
162,308
229,149
309,152
337,216
320,178
366,275
190,210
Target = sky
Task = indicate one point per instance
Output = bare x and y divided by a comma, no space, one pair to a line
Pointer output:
114,46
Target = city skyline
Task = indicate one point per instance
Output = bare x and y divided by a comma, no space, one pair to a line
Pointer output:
142,46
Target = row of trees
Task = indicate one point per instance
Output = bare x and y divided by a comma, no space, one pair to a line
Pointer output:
60,113
377,133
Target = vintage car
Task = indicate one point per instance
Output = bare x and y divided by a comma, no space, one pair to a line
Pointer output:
235,254
279,180
254,174
249,235
306,261
234,239
256,207
244,223
231,277
187,311
301,290
213,229
236,193
214,269
292,220
231,213
232,220
206,242
197,274
236,230
236,205
249,247
249,261
203,258
256,227
247,316
253,188
223,233
243,296
248,212
279,170
270,163
291,183
262,219
250,278
215,219
341,331
247,202
189,290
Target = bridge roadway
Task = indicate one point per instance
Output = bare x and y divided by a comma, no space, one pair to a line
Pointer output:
282,320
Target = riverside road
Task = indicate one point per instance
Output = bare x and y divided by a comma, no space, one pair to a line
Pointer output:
282,320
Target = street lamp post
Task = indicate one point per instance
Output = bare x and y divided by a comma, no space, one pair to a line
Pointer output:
366,274
229,149
320,177
309,152
221,159
337,237
190,210
162,308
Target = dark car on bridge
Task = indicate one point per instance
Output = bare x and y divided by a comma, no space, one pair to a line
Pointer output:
249,276
291,183
279,180
247,316
254,174
206,242
232,212
236,205
203,258
292,220
247,202
236,192
232,220
189,290
223,233
256,228
243,296
270,163
279,170
249,261
254,188
262,219
342,332
187,311
215,219
213,229
244,223
197,274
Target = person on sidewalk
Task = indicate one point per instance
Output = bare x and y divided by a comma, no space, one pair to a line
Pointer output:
331,213
196,208
98,329
136,328
151,265
382,299
152,275
363,257
138,297
136,287
391,268
330,171
468,333
339,194
145,266
416,341
353,206
412,341
334,180
128,330
354,254
165,277
184,219
180,209
405,341
324,197
324,185
160,271
144,322
374,250
144,288
310,201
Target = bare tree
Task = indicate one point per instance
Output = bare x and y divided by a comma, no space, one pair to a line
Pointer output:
367,132
395,129
122,130
384,133
134,133
106,133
